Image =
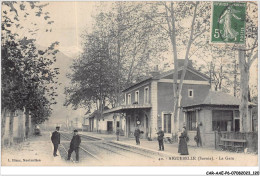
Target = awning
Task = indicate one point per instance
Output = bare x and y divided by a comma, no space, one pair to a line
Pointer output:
122,108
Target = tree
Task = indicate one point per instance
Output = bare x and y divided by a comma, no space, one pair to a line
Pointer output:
169,15
92,75
25,69
135,44
221,67
247,55
129,40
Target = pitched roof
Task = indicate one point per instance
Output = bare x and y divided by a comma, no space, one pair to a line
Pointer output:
219,98
139,82
161,75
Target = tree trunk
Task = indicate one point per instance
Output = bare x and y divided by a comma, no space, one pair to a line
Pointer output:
172,35
235,78
27,118
3,121
179,90
11,129
32,126
21,125
243,108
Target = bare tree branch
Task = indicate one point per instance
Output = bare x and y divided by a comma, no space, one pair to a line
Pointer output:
252,59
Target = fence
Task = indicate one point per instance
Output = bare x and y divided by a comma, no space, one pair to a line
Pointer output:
250,137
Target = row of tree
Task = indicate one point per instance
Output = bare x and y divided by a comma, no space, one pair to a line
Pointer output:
131,36
119,51
28,77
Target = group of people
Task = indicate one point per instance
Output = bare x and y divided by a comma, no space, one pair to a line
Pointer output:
76,140
160,134
74,143
183,139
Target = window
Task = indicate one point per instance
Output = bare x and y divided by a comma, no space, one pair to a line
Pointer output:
222,120
167,123
191,121
117,124
146,95
137,96
190,93
236,115
129,99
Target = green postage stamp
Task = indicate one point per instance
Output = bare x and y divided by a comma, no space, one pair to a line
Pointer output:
228,22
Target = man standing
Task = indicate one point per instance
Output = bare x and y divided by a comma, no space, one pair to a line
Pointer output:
160,138
117,133
55,138
74,145
137,135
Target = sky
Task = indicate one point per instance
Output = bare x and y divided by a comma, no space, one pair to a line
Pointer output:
71,19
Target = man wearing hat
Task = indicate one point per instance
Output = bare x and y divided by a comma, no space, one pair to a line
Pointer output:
160,134
55,138
74,145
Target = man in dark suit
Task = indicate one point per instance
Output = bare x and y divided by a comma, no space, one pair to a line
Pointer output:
137,135
55,138
74,145
160,138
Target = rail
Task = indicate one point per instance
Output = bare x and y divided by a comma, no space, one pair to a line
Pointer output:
86,151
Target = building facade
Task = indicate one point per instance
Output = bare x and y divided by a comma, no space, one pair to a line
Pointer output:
148,104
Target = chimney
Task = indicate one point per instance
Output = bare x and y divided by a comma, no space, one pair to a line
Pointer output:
181,63
155,72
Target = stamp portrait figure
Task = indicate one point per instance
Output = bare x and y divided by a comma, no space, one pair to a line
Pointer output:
225,19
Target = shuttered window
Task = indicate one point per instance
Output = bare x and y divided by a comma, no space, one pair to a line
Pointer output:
191,121
167,123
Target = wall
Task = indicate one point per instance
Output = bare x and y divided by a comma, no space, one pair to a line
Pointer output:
18,127
102,123
165,98
207,135
141,93
199,93
154,111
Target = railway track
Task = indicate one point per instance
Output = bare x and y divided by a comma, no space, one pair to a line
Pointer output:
85,151
102,150
64,153
127,149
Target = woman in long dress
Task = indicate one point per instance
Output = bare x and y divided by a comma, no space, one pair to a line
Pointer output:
183,148
229,32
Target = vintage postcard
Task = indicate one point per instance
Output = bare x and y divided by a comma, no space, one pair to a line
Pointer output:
121,83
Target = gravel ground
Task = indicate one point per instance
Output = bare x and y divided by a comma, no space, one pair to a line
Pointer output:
37,151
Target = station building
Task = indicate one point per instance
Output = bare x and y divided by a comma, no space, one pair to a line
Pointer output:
149,105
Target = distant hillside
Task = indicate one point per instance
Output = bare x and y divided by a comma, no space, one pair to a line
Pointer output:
60,112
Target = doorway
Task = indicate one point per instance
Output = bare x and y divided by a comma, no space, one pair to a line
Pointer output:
109,126
237,125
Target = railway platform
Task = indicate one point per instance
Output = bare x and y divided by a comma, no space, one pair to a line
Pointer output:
203,155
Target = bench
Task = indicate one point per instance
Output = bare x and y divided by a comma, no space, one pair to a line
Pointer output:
232,144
